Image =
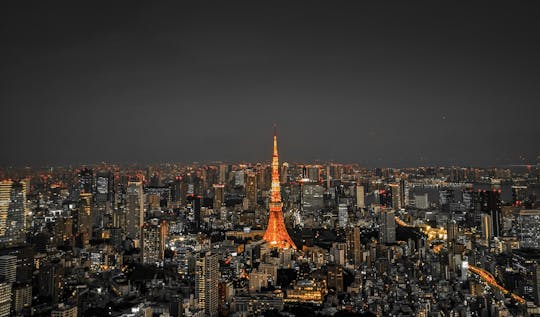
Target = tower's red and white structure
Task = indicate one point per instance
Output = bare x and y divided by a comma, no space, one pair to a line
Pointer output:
276,234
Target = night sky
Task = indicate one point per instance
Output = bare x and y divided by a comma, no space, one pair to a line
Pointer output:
377,83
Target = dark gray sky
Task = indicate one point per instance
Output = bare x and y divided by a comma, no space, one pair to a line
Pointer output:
378,84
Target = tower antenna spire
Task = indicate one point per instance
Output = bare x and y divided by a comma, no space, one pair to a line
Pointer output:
276,234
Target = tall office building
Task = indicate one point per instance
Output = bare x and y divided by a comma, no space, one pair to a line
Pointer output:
421,201
51,281
196,202
5,199
313,173
396,196
335,277
13,209
527,225
134,209
219,196
239,178
385,198
207,283
154,234
360,197
5,299
8,268
468,196
403,193
354,246
251,190
85,219
276,233
490,203
452,230
105,186
471,202
21,297
86,181
487,228
446,198
312,197
223,171
387,226
343,216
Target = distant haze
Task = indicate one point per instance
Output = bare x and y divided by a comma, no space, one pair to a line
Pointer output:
371,83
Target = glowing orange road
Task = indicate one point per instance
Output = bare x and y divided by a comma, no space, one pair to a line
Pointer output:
488,278
401,222
485,275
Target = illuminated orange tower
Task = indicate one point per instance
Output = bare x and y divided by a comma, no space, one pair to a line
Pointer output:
276,234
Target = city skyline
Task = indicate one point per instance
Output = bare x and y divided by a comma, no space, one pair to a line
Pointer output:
138,179
399,85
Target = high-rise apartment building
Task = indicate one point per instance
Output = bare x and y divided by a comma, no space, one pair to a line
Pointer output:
134,209
13,209
207,283
154,234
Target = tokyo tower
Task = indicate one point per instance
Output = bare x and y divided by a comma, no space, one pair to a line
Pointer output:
276,234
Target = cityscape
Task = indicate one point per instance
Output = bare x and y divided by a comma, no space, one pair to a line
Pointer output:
243,158
275,239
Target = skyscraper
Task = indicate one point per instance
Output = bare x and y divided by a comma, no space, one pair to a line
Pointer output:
387,226
490,201
385,198
219,196
403,193
134,210
207,283
105,186
84,218
527,226
487,228
276,234
5,198
251,190
343,216
360,200
154,234
8,268
176,190
5,299
86,180
396,198
13,208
